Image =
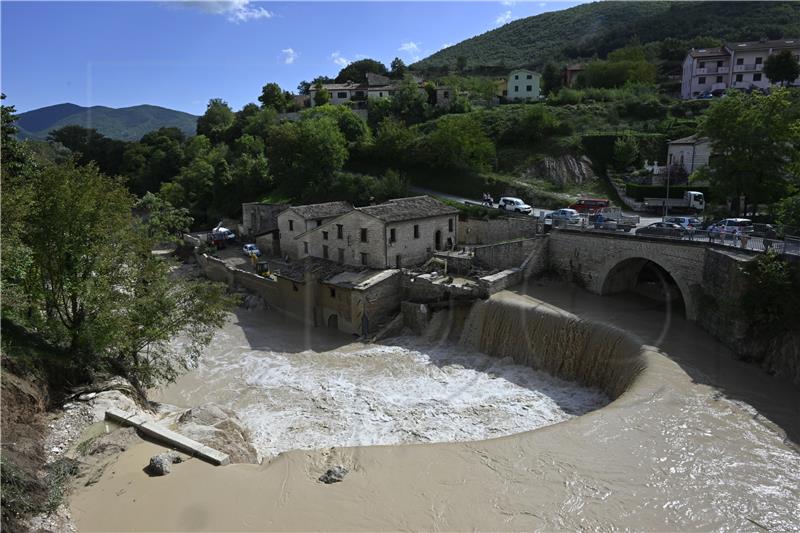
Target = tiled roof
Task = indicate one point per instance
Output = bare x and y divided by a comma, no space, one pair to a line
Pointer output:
408,209
325,210
691,139
763,45
708,52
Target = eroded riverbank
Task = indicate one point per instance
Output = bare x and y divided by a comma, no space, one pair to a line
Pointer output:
667,454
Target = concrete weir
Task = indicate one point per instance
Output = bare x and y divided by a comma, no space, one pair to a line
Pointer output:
174,440
665,454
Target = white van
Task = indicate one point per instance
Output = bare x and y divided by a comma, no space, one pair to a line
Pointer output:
508,203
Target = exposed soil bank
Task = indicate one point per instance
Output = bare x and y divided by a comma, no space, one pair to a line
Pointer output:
666,454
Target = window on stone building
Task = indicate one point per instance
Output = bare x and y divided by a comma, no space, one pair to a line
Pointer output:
701,79
701,64
759,60
416,231
333,292
719,64
339,231
341,255
341,95
363,234
324,235
324,251
398,261
450,225
364,259
529,76
447,94
719,79
392,235
516,88
739,77
319,223
529,88
757,77
294,287
516,76
291,225
740,61
305,247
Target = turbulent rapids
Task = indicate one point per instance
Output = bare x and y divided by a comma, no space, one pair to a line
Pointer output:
667,453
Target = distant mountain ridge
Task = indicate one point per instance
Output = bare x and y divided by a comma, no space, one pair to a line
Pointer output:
125,123
599,27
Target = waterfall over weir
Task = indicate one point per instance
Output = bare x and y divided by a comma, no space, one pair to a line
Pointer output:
544,337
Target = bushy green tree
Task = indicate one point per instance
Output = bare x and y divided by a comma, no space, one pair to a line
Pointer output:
393,142
216,120
458,144
357,71
755,142
273,97
626,153
782,67
551,79
353,128
322,96
89,145
304,155
788,212
95,291
165,222
399,69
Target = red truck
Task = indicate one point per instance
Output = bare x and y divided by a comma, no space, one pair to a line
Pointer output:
590,206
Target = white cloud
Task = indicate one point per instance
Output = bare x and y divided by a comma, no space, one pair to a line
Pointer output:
542,4
234,10
340,60
508,3
412,49
289,55
503,18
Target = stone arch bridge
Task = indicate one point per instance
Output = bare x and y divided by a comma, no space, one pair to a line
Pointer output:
606,263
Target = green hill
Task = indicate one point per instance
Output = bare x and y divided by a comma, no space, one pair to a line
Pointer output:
597,28
127,123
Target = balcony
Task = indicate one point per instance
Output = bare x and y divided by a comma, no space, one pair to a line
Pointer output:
759,67
701,71
744,68
723,70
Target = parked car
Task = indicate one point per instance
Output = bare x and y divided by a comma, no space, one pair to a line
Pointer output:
662,229
250,250
729,226
590,205
223,233
570,215
685,222
508,203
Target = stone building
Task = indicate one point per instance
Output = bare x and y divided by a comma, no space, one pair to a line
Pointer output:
302,218
399,233
523,85
690,153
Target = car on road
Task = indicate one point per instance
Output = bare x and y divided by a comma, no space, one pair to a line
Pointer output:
662,229
250,250
729,226
508,203
685,222
570,215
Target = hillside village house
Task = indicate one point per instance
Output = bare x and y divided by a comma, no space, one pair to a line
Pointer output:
523,85
689,153
570,74
737,65
396,234
376,86
302,218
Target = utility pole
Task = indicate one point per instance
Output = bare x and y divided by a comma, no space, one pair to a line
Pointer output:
666,200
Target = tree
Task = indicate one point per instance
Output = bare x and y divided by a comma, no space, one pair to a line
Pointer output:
789,212
305,155
551,79
409,102
626,153
272,96
321,96
89,145
782,67
216,120
95,291
755,142
304,88
461,63
353,128
357,71
398,69
393,142
458,144
165,223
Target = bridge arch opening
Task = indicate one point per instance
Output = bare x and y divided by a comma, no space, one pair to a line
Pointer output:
648,279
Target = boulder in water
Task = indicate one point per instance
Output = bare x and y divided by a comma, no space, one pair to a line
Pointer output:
159,465
334,475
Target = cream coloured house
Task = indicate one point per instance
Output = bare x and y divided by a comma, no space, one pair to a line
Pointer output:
523,85
689,153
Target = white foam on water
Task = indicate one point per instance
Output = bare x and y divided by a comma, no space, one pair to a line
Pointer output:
366,394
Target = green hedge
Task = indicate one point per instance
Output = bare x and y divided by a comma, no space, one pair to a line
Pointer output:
640,192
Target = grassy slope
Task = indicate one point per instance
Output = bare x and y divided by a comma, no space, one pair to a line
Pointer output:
599,27
128,123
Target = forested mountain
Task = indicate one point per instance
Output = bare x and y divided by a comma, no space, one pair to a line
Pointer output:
127,123
597,28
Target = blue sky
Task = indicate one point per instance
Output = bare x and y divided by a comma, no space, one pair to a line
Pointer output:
181,54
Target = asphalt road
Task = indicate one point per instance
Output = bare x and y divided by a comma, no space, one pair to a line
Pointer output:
643,220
